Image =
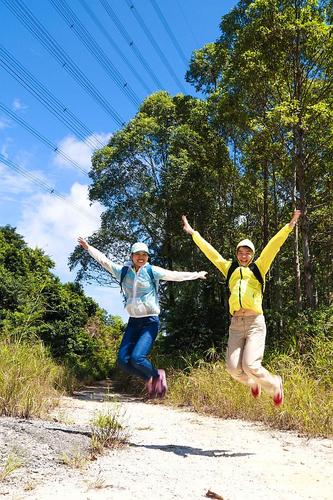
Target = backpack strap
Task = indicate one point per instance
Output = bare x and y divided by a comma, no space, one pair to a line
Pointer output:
149,268
124,271
233,266
254,268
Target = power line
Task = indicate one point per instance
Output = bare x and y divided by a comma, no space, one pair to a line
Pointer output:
82,33
114,45
155,45
40,183
46,98
122,30
42,138
25,16
188,24
169,32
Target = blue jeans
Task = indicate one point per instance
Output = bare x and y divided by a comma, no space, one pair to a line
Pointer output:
136,344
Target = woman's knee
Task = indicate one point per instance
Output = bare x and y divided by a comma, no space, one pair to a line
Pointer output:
252,369
232,369
137,360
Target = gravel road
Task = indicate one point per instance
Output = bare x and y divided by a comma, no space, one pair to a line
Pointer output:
171,454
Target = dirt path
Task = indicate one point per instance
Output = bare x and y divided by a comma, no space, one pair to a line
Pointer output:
178,454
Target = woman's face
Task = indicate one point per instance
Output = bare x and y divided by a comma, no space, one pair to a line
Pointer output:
139,259
244,255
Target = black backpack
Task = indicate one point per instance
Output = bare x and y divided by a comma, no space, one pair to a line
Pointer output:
254,268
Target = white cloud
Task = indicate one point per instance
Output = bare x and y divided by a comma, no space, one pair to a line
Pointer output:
53,225
13,183
80,151
17,104
4,123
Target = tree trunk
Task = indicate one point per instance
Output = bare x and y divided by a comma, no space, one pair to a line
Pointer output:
265,223
299,180
297,268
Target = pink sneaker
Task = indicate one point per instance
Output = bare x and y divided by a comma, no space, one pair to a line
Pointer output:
150,387
256,390
161,384
278,395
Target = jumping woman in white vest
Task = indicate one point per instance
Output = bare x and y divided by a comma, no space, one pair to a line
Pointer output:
139,281
247,331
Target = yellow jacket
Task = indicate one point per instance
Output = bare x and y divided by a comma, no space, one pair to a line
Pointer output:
245,289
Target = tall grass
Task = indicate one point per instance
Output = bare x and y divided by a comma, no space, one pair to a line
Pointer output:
308,405
29,380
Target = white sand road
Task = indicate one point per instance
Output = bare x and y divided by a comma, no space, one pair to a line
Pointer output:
173,453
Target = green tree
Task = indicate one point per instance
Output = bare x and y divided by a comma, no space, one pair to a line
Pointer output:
273,102
167,161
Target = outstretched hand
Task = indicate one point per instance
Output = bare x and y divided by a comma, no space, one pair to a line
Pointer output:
186,226
202,275
83,242
295,217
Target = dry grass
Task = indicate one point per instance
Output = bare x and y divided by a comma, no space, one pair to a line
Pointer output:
308,405
75,459
28,380
108,430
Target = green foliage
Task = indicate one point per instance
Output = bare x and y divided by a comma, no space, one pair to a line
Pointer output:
146,178
237,163
34,305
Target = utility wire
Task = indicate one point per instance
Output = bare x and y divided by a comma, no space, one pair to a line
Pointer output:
114,45
155,45
47,99
122,30
28,175
40,183
25,16
42,138
83,34
187,22
169,32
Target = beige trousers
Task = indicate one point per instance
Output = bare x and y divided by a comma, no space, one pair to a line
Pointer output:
246,345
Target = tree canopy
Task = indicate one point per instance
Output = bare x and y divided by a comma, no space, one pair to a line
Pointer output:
237,162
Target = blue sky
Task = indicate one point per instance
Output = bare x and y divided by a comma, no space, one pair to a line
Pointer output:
53,220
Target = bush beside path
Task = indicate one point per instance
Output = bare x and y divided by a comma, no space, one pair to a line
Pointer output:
171,453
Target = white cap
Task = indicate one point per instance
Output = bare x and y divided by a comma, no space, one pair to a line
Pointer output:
246,243
139,247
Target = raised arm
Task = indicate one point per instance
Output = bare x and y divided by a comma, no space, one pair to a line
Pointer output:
167,275
186,226
210,252
273,246
83,243
295,217
111,267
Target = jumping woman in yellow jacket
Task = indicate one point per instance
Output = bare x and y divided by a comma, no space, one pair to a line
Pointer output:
247,332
